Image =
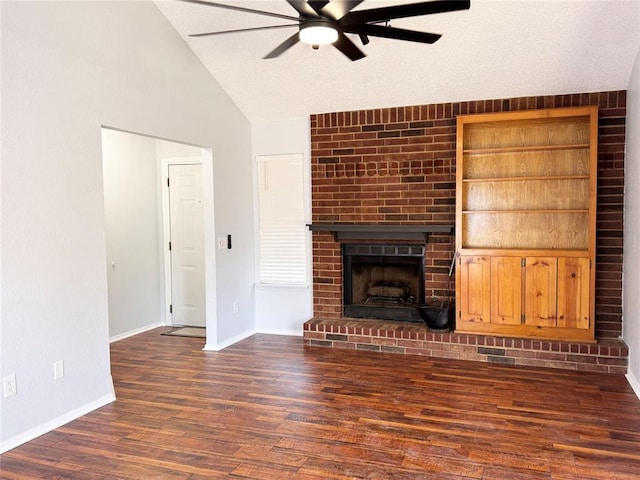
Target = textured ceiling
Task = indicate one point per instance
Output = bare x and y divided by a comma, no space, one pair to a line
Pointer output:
497,49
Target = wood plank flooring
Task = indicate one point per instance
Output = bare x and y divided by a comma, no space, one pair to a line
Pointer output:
269,408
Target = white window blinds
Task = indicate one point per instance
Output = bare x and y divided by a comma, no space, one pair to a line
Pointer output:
282,220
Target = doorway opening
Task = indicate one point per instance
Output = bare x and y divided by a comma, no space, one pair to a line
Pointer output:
139,289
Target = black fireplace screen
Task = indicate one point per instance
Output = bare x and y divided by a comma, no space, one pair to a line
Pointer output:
383,281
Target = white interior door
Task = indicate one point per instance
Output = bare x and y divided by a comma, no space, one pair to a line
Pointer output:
186,245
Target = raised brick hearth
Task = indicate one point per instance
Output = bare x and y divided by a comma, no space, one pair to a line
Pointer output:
396,166
607,356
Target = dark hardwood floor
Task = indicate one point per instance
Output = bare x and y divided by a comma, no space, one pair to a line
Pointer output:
268,408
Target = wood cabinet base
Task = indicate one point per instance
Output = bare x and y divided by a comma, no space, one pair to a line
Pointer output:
523,331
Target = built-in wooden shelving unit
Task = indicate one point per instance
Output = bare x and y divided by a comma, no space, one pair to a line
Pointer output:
525,223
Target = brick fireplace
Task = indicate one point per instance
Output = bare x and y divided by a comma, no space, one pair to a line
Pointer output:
395,168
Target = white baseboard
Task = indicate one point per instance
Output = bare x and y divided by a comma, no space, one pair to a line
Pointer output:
136,331
281,331
242,336
231,341
55,423
635,384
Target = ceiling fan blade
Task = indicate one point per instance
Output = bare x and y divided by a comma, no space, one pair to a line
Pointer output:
347,47
336,9
242,9
303,8
317,5
396,33
403,11
207,34
284,46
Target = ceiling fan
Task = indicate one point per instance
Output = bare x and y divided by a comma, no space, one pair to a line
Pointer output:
323,22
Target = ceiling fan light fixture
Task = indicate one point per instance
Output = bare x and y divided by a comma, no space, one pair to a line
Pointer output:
323,22
318,32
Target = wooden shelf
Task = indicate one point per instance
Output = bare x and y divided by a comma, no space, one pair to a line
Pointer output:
523,178
546,210
525,148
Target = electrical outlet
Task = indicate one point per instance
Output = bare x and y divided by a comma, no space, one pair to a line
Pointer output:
9,385
58,370
235,306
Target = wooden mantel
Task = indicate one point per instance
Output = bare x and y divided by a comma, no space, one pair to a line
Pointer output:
343,231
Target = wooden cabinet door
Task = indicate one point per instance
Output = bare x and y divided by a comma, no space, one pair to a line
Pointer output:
506,290
540,299
573,293
474,290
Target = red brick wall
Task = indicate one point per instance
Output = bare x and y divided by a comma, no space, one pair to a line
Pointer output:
397,165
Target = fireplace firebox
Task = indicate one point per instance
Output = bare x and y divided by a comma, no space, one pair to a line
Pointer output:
383,281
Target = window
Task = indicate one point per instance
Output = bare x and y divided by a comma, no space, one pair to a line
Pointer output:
282,219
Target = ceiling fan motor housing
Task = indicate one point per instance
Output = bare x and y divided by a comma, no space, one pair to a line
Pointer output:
318,31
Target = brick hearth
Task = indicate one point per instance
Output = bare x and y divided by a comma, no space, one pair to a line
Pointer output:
607,356
396,166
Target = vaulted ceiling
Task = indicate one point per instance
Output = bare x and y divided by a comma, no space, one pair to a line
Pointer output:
496,49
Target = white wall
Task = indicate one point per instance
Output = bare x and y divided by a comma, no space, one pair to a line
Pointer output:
67,69
283,310
134,271
167,149
1,369
631,266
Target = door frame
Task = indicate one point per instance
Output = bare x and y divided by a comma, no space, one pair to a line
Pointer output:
206,160
169,253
